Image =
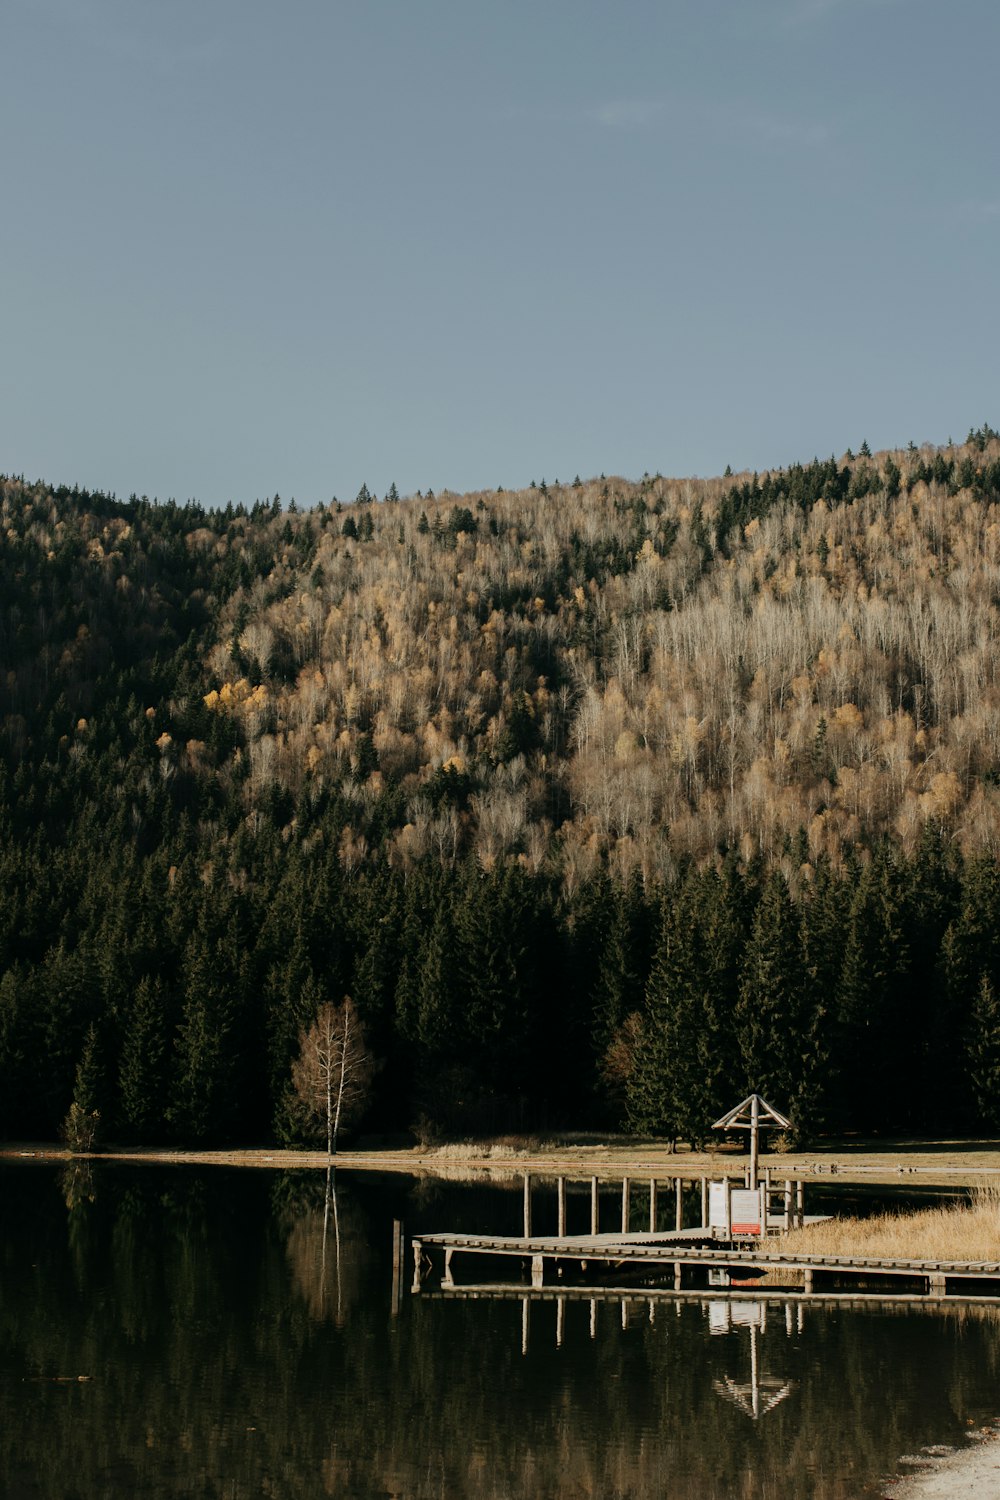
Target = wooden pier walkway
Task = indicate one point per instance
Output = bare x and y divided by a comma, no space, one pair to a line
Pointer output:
688,1250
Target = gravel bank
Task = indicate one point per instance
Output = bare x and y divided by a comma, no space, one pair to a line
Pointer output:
954,1474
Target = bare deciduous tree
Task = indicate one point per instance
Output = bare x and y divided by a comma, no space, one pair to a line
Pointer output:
333,1072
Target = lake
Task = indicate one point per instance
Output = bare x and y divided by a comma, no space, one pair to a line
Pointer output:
223,1333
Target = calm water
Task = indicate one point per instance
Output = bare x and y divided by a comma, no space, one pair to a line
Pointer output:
168,1331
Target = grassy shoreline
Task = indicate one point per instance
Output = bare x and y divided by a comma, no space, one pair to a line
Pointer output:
956,1163
947,1232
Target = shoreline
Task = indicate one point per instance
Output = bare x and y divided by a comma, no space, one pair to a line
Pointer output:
968,1473
949,1165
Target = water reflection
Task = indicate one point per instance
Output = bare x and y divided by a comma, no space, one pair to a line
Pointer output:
239,1339
761,1393
324,1241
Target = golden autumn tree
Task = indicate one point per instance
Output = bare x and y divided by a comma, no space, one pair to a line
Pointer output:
333,1072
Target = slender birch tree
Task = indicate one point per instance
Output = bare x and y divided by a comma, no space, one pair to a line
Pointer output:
333,1072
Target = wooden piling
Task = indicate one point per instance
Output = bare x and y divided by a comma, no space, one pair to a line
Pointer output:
537,1271
527,1205
754,1128
704,1203
595,1208
679,1202
652,1205
561,1207
560,1320
397,1266
800,1202
788,1203
626,1203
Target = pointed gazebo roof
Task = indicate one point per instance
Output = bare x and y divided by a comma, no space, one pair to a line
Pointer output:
745,1116
755,1115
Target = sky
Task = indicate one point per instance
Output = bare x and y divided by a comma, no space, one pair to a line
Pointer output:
250,248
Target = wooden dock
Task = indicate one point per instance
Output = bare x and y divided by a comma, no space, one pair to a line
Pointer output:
686,1251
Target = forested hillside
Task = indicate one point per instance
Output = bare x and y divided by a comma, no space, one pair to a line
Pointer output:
605,801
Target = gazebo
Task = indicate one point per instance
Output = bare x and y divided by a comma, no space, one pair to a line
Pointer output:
754,1114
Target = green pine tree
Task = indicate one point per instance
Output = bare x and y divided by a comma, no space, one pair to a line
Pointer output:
142,1067
982,1057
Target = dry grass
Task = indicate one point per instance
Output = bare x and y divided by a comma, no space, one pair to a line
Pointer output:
953,1232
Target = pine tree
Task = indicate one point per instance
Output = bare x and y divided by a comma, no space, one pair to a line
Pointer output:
142,1068
982,1058
624,964
685,1057
82,1125
664,1091
204,1101
777,1014
870,1010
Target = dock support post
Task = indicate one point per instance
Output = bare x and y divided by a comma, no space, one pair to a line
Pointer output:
527,1205
754,1129
537,1271
446,1279
561,1213
397,1266
800,1202
525,1323
788,1204
626,1203
595,1212
418,1254
677,1275
807,1281
652,1205
679,1202
593,1317
560,1320
704,1203
937,1284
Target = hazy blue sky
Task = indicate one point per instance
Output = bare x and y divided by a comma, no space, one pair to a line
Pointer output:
249,247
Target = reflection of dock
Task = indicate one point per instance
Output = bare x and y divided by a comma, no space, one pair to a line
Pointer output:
650,1297
673,1252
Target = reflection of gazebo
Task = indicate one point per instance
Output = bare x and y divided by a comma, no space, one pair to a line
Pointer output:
755,1115
762,1393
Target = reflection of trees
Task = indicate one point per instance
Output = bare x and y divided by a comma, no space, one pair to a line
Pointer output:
199,1305
76,1182
321,1239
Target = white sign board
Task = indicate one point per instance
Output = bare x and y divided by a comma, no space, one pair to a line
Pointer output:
718,1206
745,1211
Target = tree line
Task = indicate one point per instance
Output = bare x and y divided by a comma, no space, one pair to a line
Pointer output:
171,995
